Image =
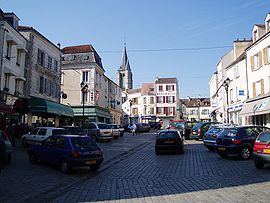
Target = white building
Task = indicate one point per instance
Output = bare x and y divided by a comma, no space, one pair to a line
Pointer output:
256,109
167,99
12,63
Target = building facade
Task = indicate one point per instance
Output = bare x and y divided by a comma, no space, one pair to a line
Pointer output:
81,65
167,99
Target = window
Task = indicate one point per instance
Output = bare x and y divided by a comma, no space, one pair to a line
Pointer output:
60,142
193,112
135,111
170,110
268,54
256,62
42,131
8,55
19,56
255,35
41,85
170,99
160,99
152,110
258,88
144,100
231,95
41,55
6,85
205,112
135,101
17,85
236,72
56,66
160,88
85,76
152,98
169,88
49,142
50,62
160,110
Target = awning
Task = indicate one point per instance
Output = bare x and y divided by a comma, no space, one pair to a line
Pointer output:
9,72
4,108
256,107
39,105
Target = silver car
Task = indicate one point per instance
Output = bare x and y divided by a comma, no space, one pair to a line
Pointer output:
99,131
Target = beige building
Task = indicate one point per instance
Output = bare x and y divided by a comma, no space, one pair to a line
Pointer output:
85,84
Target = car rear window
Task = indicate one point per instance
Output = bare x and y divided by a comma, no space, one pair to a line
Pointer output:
215,129
59,132
77,130
197,126
264,137
83,142
103,126
230,132
168,135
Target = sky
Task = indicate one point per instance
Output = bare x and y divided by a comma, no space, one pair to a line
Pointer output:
164,38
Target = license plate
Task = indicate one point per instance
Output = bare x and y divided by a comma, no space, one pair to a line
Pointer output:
169,142
266,151
90,162
222,148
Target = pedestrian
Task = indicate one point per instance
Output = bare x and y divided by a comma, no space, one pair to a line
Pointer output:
11,133
134,129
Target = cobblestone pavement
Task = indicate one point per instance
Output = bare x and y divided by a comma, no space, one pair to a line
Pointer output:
21,181
133,173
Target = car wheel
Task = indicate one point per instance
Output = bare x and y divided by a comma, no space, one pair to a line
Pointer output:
24,143
223,155
259,164
245,153
65,168
94,167
32,158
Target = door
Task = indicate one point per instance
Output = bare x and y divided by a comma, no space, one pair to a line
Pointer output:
45,152
41,135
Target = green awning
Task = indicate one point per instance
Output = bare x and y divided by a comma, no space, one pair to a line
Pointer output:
39,105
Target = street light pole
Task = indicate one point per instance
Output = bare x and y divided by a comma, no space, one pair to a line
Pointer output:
130,104
226,86
84,89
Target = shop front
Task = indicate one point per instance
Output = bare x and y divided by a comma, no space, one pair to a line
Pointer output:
256,111
42,112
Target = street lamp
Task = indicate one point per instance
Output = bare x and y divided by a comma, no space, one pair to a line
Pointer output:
84,89
130,104
199,104
225,84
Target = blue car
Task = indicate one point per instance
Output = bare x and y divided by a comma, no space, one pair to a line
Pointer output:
67,151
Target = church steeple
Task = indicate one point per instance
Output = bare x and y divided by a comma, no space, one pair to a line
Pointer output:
124,74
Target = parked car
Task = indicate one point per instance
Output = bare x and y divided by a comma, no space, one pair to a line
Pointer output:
209,138
155,125
67,151
199,129
145,127
41,133
169,141
75,130
99,131
122,130
238,140
188,127
115,131
261,149
6,144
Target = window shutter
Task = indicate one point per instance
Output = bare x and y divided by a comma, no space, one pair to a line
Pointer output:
254,89
262,87
260,58
172,87
166,87
174,111
252,63
167,99
265,59
166,110
173,99
164,99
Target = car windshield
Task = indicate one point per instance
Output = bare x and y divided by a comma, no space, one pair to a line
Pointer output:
180,125
168,135
230,132
264,137
84,142
104,126
59,132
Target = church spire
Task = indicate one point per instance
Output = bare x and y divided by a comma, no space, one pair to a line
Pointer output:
125,61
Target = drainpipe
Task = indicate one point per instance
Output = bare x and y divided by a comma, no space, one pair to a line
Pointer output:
247,78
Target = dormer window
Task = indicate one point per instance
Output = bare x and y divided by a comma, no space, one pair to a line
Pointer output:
255,35
268,25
